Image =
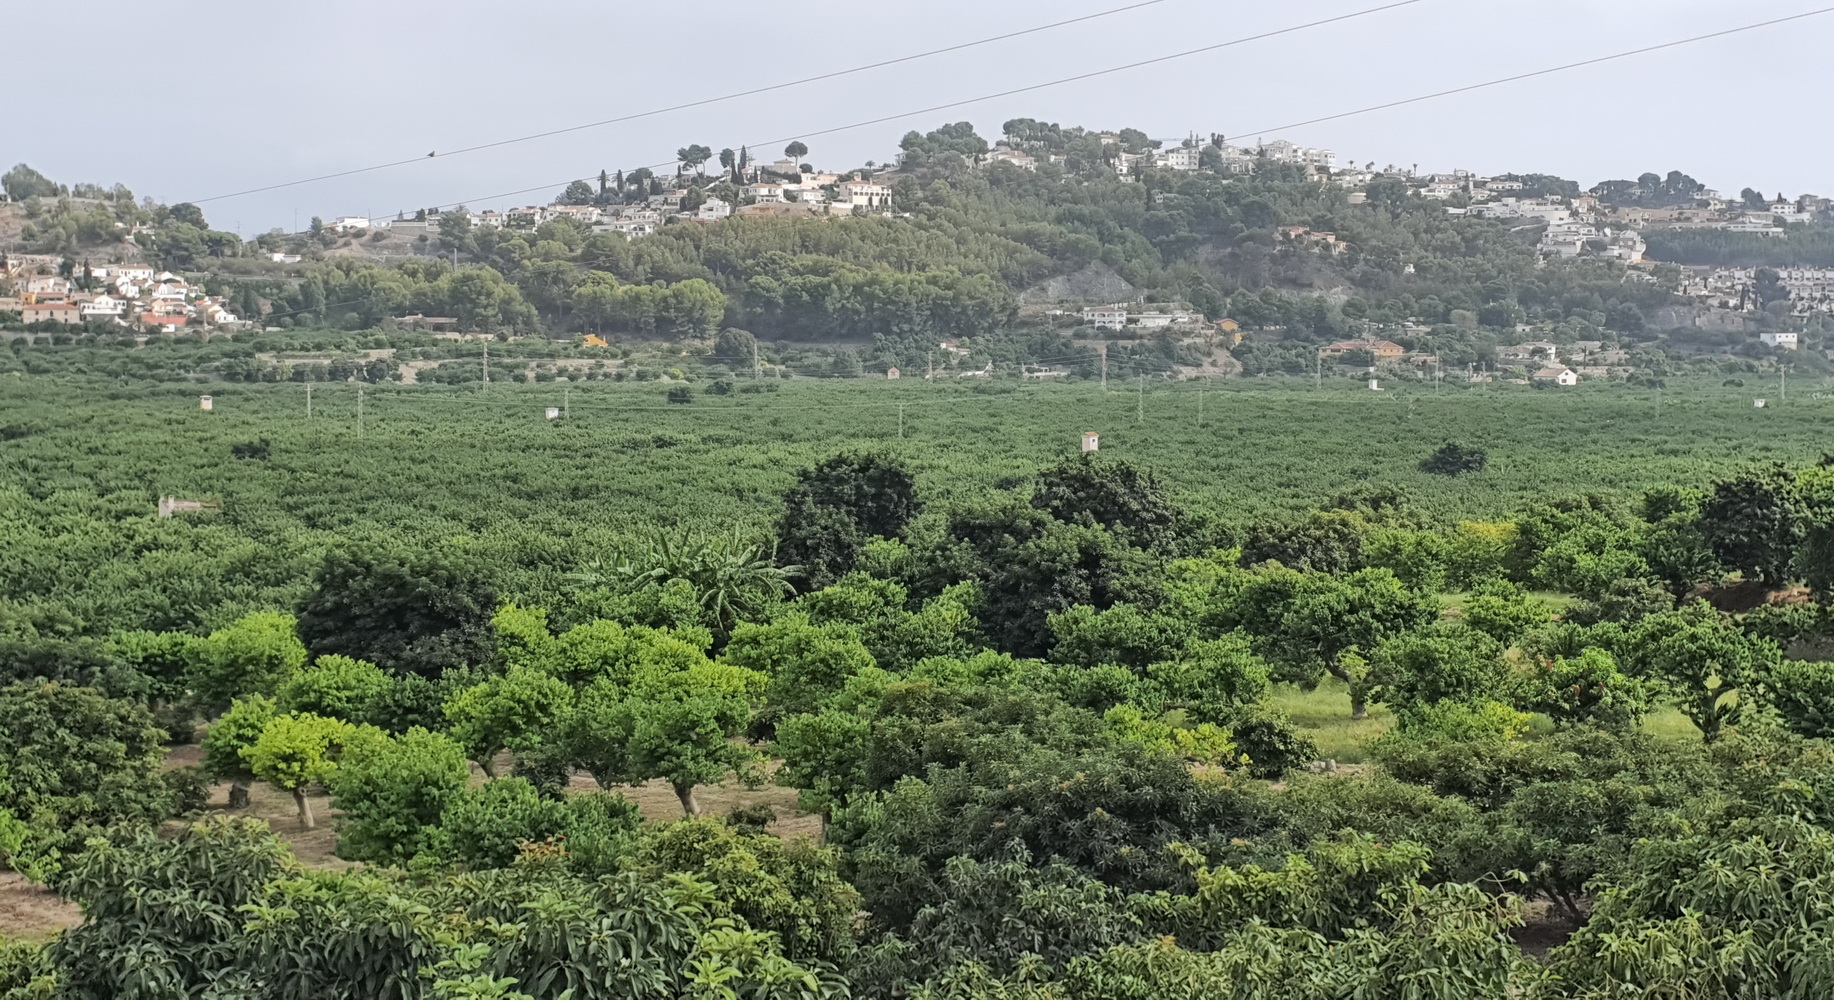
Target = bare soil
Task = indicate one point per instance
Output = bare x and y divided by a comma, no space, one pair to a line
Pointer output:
32,913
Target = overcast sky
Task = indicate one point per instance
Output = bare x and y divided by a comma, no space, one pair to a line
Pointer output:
233,95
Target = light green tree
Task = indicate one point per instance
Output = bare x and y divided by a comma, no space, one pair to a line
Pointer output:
511,712
392,792
253,656
337,687
237,730
296,752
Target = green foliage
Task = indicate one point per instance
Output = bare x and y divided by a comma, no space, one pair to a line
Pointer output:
1672,924
792,889
807,664
487,827
1752,525
730,580
203,875
393,791
336,687
1126,500
672,719
1448,663
406,613
899,638
71,756
837,507
513,712
1588,689
1710,668
297,751
1803,694
253,656
1455,460
235,731
1123,635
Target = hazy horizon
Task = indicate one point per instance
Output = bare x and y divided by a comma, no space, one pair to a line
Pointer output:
276,94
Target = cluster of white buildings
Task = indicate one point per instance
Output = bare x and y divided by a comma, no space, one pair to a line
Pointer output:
130,296
1120,316
1811,289
818,192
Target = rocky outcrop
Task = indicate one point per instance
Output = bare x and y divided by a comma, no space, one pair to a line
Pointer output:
1095,283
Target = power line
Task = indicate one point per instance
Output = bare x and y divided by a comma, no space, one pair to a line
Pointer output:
1334,117
1094,74
1545,72
703,102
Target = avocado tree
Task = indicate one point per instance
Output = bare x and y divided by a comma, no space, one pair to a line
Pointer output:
253,656
296,752
237,730
666,722
511,712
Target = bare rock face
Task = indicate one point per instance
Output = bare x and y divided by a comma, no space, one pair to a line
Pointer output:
1697,318
1095,283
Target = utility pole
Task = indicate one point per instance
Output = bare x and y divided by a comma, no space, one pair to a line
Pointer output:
754,361
487,362
1140,414
566,401
359,411
1318,371
900,421
1104,367
929,370
1783,384
308,401
1200,405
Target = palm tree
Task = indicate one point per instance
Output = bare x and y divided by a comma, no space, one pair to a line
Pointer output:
732,578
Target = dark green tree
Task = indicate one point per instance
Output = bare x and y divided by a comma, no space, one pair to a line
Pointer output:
837,507
406,612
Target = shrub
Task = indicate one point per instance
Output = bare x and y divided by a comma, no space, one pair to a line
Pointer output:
486,827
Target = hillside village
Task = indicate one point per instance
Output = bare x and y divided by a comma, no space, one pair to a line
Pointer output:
126,285
126,296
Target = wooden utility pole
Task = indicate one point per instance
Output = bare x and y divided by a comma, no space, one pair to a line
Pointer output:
754,360
1104,367
487,362
359,411
308,401
1140,414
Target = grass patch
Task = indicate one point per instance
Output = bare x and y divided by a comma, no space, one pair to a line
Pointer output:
1668,723
1323,714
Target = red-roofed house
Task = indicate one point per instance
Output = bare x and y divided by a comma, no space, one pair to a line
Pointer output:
165,324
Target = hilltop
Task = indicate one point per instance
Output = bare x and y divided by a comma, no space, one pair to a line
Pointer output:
1041,244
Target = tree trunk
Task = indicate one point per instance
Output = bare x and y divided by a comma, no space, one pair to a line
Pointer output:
689,806
1359,703
238,794
305,808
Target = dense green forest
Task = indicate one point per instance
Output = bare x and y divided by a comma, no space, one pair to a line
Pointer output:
1032,703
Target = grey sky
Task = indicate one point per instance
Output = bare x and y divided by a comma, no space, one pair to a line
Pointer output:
240,95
